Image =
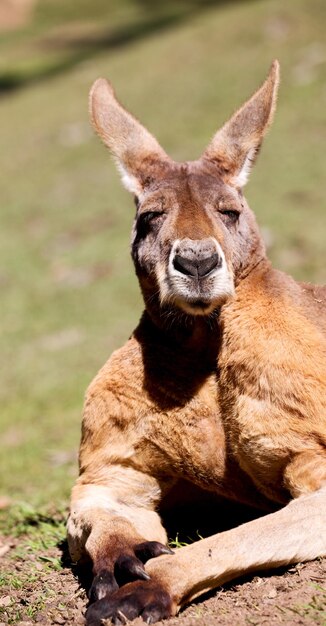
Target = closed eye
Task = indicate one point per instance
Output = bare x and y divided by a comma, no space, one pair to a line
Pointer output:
229,215
149,221
150,216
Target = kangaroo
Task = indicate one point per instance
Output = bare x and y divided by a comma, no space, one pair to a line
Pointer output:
221,386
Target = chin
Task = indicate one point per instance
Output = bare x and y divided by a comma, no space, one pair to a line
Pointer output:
201,306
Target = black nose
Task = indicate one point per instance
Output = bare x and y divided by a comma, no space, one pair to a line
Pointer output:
198,268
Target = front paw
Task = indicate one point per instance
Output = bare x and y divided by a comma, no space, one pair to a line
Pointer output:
147,599
104,584
127,567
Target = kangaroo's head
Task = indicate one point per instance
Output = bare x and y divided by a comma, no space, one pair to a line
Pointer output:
194,236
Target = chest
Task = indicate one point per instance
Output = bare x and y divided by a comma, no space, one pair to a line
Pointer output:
185,435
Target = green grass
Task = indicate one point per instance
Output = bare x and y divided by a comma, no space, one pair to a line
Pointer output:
69,296
38,532
23,519
29,566
315,610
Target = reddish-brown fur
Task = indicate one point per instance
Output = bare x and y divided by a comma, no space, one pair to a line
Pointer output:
222,384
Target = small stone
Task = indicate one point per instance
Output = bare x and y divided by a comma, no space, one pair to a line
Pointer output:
272,593
5,502
4,549
5,601
38,566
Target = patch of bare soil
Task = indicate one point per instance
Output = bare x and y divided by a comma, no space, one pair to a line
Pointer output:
48,592
38,589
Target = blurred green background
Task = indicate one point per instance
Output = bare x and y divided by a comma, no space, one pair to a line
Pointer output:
68,293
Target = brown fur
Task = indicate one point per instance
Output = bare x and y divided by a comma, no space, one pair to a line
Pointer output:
222,384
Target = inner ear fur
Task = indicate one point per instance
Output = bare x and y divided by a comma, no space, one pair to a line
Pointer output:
235,146
133,147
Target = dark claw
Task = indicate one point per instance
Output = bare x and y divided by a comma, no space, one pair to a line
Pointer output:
151,549
120,619
128,568
97,612
108,608
103,585
146,599
154,612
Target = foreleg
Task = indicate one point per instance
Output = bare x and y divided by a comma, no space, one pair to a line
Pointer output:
114,524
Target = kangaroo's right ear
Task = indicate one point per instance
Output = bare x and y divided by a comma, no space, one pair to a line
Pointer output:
134,148
235,146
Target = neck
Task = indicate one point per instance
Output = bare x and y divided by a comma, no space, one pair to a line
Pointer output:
258,261
177,361
196,335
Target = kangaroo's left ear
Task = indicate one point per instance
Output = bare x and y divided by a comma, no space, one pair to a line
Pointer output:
136,151
235,146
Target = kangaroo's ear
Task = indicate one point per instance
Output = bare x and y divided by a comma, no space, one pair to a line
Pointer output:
235,146
135,150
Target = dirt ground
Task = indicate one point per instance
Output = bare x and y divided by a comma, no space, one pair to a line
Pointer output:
52,594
